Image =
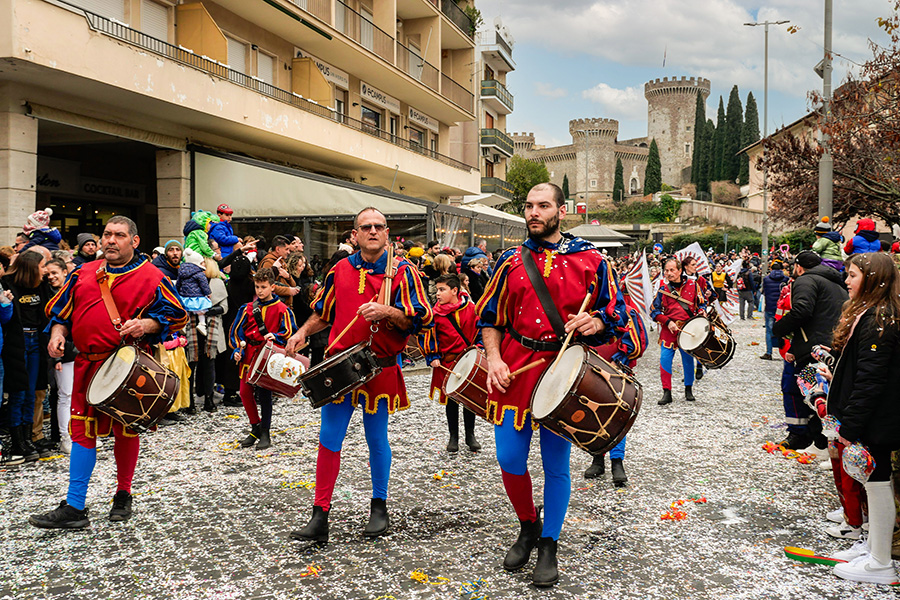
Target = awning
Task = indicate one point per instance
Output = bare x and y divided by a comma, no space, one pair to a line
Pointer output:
606,244
495,214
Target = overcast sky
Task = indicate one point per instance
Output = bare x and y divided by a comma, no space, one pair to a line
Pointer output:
591,58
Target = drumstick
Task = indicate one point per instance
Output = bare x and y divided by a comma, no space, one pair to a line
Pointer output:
565,345
449,370
346,329
243,345
527,367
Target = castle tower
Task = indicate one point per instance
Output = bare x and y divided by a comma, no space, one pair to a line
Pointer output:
598,138
671,107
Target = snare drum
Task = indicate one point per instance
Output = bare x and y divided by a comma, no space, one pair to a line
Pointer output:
277,372
587,400
133,388
340,374
707,340
467,384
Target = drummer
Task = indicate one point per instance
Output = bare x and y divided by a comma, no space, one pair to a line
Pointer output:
516,331
350,288
148,301
679,298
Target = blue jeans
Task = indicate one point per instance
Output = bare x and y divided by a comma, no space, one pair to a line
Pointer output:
32,368
770,339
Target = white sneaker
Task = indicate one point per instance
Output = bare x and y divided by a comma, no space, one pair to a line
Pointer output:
844,531
864,568
825,465
65,446
836,516
201,329
860,548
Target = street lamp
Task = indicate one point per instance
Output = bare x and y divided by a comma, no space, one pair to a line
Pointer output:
765,223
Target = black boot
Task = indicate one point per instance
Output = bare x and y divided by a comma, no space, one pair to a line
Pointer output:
666,399
192,407
453,426
520,552
378,519
689,393
698,372
29,451
232,400
251,439
546,570
618,472
597,468
469,422
317,528
794,441
209,405
18,445
265,440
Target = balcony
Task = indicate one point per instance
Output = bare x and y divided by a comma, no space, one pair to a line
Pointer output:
457,16
495,95
321,9
417,67
498,140
363,31
495,185
495,50
457,94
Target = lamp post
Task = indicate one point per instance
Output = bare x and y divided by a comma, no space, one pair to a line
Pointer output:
826,161
765,223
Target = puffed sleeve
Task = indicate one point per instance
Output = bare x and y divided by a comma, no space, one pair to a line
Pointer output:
491,308
412,299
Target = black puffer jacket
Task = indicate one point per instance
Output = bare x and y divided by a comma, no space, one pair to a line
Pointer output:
817,297
863,393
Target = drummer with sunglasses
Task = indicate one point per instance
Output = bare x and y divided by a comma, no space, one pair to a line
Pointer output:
516,331
349,291
149,302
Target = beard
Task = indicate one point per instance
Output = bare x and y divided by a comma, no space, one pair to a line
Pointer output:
547,228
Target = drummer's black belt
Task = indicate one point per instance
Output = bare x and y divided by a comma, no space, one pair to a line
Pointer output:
387,361
533,344
254,343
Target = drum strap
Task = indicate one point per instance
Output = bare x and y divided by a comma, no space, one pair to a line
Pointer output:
543,294
452,318
258,317
103,282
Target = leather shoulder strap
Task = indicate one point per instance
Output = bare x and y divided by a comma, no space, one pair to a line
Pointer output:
106,295
258,317
543,294
452,318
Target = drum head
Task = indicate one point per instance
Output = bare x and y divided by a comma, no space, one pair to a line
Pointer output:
111,375
553,387
693,333
461,370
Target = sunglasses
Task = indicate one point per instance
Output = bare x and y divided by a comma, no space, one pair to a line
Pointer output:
376,227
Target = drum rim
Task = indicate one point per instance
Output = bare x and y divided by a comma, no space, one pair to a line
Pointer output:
121,385
578,377
471,349
709,330
333,359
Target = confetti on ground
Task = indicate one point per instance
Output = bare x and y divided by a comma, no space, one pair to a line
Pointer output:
804,458
421,577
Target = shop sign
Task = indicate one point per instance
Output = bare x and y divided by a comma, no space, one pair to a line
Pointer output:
332,74
376,96
103,189
57,176
420,118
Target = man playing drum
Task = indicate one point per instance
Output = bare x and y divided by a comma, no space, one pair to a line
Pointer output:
516,331
679,298
148,302
350,290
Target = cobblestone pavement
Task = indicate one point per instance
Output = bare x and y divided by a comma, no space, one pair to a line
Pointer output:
211,520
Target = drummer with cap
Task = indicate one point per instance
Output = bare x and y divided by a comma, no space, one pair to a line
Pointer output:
679,298
346,301
151,310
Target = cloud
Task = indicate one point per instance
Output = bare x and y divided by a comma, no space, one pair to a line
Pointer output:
618,104
548,91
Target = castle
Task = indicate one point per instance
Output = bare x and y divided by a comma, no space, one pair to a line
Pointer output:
590,160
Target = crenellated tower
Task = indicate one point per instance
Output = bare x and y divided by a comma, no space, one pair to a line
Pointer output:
671,104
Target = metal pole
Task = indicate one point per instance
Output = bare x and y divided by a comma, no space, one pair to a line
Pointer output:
587,180
826,162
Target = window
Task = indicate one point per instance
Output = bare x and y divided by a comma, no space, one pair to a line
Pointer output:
111,9
371,119
340,104
552,173
367,29
488,72
265,67
416,137
155,20
593,183
393,126
237,55
687,149
434,144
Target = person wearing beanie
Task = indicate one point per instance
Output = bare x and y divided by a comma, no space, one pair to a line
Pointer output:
39,232
86,250
196,232
169,261
828,244
865,238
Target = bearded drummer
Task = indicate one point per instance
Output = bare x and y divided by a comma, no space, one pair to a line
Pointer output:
516,331
350,291
679,298
151,310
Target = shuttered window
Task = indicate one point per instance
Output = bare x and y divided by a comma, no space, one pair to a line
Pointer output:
265,67
112,9
237,55
155,20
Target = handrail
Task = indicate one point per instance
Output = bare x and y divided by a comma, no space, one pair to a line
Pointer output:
363,31
493,37
498,138
417,67
457,94
457,16
495,185
321,9
492,87
187,57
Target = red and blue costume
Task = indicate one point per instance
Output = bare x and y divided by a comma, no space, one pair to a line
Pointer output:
451,332
570,269
351,283
688,301
140,291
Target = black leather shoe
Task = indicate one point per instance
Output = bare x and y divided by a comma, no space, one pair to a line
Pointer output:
209,405
64,517
453,444
666,399
176,416
232,401
618,472
265,440
121,508
597,468
689,393
698,372
30,452
520,552
378,519
317,528
252,437
796,441
546,570
473,444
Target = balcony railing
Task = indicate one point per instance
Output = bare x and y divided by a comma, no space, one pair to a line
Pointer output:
491,87
497,139
363,31
184,56
416,66
493,38
457,94
320,9
458,16
495,185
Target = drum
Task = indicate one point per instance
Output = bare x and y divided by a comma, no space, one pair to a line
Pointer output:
467,384
709,341
587,400
340,374
134,389
277,372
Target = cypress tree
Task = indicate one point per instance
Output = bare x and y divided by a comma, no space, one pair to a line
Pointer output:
719,144
619,183
734,125
699,124
707,160
565,186
749,136
653,174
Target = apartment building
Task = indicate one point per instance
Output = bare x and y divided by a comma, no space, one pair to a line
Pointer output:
297,113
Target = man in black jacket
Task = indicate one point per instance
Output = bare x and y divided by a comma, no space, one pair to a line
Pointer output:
817,296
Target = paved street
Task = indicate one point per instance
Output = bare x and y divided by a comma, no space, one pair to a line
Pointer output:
211,520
